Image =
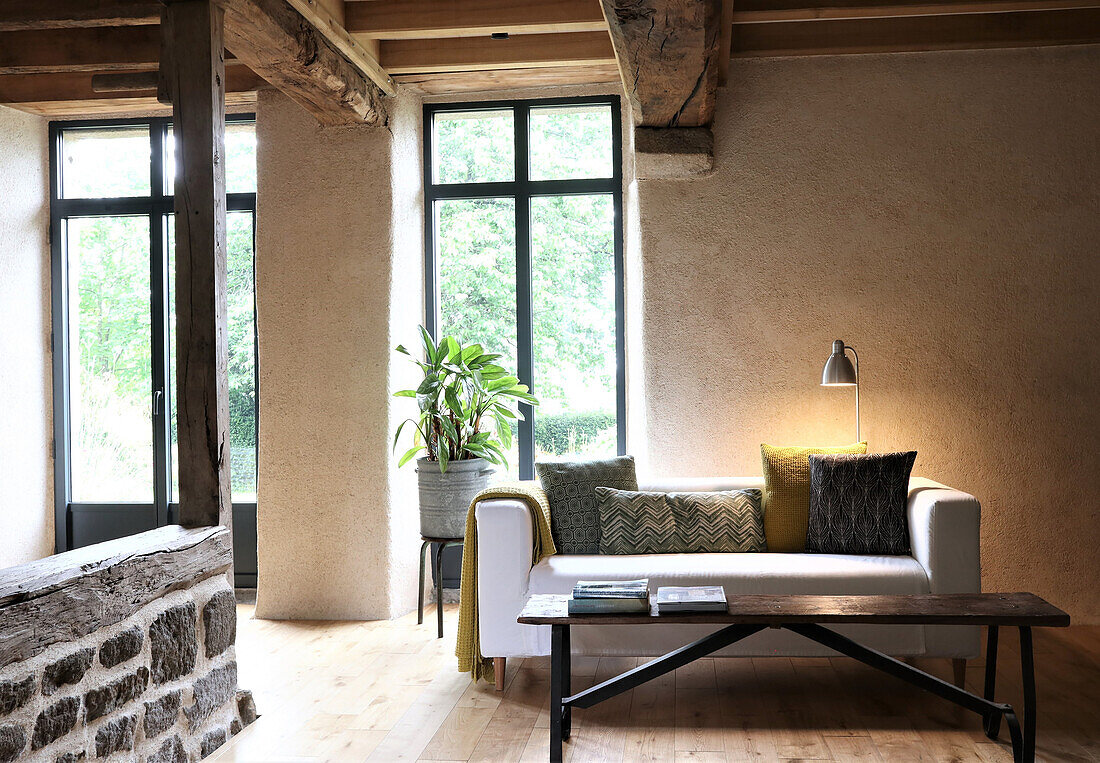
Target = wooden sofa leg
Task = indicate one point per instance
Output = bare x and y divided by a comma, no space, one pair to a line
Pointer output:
499,664
958,666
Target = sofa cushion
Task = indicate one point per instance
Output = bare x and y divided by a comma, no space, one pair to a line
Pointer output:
739,573
571,491
636,522
787,492
858,503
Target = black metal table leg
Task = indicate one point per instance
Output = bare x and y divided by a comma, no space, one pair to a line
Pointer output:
992,721
560,717
1027,663
420,590
439,586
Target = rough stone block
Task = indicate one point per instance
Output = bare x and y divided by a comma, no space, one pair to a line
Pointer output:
12,741
234,727
124,646
211,692
70,757
68,670
212,741
55,721
246,707
219,620
161,714
107,699
173,644
116,735
14,694
170,752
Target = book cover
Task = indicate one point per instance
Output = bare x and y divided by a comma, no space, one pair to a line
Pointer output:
691,599
611,589
608,606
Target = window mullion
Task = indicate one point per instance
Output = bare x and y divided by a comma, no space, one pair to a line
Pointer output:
158,294
525,360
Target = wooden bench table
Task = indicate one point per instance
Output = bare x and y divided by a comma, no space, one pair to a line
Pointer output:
805,616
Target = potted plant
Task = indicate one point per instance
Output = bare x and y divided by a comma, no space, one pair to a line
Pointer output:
467,404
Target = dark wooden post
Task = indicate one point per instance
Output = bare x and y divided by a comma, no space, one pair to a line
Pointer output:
193,78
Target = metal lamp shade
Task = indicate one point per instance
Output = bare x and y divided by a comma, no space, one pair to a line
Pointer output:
838,370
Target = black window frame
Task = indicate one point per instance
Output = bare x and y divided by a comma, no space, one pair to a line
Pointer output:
122,518
522,189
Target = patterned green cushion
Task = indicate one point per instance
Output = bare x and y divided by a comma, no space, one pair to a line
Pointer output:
571,491
680,523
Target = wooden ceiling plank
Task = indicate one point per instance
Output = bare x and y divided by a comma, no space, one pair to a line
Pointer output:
60,50
508,79
918,33
140,106
766,11
481,53
668,53
22,15
278,43
423,19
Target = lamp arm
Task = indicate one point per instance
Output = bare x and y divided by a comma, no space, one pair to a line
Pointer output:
856,354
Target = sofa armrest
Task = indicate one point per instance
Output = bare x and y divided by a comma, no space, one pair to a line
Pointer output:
944,532
505,536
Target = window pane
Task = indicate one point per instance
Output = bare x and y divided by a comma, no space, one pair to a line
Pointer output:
110,378
240,295
240,158
476,251
104,162
473,147
573,285
569,142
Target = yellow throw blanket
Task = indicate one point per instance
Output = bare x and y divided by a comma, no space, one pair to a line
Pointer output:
468,645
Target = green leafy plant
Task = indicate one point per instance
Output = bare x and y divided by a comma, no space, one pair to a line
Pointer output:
467,403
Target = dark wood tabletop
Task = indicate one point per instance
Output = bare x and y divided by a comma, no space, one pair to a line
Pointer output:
756,609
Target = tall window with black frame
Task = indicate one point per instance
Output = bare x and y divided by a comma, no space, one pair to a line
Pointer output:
524,256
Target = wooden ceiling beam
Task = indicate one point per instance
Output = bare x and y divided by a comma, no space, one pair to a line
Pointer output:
19,15
508,79
74,50
281,45
328,18
78,86
764,11
918,33
423,19
482,53
668,53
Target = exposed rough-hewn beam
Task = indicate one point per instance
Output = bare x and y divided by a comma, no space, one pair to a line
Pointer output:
66,14
192,74
421,19
279,44
331,25
667,52
481,53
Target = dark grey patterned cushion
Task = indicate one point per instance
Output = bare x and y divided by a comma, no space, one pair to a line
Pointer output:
857,503
571,490
680,523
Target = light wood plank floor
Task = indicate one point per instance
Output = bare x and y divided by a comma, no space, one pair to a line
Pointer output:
388,691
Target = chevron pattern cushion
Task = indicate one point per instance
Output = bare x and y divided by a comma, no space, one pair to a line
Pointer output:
571,492
858,503
680,523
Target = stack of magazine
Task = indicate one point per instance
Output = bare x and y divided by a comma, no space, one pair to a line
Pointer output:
610,596
706,598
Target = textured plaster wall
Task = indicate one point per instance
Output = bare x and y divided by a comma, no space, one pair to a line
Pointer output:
338,260
941,213
26,413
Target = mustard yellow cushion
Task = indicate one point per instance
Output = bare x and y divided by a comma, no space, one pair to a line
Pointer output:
787,493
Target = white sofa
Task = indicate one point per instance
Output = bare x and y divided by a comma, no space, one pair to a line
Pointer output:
943,529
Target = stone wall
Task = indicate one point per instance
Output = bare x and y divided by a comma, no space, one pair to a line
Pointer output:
157,686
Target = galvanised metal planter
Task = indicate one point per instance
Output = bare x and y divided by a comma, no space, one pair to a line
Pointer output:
445,497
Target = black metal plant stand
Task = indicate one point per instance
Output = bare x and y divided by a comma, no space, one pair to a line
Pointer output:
441,544
1023,741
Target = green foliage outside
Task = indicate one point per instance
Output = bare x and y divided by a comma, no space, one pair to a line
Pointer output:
572,251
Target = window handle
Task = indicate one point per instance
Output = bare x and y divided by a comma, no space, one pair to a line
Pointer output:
157,397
